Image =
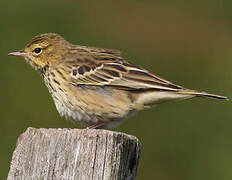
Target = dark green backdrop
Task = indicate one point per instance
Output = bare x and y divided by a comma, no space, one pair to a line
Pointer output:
186,42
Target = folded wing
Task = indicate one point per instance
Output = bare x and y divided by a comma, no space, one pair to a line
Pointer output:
101,69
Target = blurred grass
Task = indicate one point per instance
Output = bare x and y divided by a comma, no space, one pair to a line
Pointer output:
187,42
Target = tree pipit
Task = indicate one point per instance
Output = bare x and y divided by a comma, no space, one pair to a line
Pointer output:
97,87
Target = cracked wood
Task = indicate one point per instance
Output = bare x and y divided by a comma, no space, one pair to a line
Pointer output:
75,154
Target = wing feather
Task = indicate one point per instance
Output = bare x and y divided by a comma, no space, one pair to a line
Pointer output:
102,69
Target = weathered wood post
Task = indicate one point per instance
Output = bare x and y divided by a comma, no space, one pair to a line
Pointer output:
75,154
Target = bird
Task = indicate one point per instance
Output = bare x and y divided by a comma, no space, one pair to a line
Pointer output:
97,87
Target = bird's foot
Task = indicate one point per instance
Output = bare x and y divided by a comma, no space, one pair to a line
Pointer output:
96,126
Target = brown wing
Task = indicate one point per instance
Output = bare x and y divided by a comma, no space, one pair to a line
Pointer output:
104,69
94,50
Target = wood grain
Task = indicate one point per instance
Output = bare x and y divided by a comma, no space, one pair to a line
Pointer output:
75,154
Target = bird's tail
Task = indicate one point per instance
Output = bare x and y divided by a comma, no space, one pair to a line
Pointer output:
201,94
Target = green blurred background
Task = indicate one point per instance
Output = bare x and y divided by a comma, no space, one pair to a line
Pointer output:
186,42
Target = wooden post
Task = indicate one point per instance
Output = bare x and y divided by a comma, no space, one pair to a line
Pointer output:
75,154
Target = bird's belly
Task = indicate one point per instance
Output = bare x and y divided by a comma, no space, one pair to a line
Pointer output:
91,107
75,114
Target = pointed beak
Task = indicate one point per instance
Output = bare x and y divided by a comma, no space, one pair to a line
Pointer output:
18,53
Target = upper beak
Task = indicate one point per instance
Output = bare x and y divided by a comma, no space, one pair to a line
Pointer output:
18,53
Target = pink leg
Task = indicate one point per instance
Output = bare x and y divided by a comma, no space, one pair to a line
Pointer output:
95,126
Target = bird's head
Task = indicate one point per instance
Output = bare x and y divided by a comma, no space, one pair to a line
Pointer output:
43,50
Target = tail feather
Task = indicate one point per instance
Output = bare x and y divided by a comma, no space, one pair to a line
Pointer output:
155,97
202,94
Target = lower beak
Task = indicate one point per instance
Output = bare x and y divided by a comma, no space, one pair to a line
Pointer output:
18,53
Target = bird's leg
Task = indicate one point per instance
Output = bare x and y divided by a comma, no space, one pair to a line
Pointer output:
95,126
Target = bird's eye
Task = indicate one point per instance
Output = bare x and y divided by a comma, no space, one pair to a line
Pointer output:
37,50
